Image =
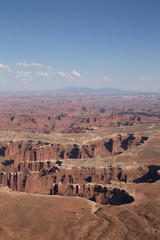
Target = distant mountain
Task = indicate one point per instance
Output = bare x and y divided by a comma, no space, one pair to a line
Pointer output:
74,90
90,90
113,90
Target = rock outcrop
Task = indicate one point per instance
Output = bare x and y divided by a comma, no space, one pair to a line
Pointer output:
30,151
35,168
95,192
40,177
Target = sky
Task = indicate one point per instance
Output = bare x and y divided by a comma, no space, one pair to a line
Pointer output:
51,44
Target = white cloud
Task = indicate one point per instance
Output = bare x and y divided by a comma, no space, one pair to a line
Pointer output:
107,79
70,75
24,64
3,80
32,64
42,74
5,67
75,73
62,74
23,74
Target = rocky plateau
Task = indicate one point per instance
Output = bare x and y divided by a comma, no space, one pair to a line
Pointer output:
92,162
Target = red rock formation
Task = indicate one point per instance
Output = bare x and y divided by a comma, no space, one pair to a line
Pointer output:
29,151
30,167
94,192
39,177
50,113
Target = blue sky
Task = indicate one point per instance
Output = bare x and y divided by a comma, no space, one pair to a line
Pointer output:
49,44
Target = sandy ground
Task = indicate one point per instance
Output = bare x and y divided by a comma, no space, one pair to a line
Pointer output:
29,216
33,217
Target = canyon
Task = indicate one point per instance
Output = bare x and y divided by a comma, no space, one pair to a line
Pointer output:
101,151
35,168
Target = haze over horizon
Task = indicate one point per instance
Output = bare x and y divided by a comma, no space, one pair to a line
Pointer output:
46,45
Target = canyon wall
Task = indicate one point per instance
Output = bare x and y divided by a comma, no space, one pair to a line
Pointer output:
29,151
39,177
35,168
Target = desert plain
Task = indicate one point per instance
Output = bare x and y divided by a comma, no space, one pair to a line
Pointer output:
79,166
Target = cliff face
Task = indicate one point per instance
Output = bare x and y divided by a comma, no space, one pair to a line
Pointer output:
30,167
95,192
29,151
39,177
47,178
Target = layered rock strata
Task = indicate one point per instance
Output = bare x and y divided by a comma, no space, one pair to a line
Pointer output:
95,192
29,151
30,167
